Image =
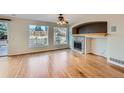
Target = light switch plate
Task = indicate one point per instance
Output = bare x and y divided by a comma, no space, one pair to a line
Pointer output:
113,29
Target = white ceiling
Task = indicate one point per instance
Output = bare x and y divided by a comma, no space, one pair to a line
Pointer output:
71,18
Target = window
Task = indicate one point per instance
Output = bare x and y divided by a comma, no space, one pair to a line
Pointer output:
60,35
38,36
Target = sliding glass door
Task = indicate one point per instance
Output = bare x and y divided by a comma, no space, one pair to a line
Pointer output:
3,39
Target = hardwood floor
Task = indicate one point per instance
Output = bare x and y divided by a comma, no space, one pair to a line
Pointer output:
60,63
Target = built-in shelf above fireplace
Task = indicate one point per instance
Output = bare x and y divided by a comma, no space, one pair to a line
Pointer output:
91,29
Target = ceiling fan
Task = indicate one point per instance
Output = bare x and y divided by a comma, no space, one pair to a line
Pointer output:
62,20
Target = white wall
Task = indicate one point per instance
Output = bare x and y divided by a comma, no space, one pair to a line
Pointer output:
115,41
19,34
99,46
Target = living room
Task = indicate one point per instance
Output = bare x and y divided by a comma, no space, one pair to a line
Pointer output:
82,35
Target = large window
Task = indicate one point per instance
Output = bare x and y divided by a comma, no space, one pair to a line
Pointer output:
60,35
38,36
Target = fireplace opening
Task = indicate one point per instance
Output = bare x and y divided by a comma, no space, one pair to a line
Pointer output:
78,45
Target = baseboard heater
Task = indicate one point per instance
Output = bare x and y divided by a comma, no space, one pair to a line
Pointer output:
117,61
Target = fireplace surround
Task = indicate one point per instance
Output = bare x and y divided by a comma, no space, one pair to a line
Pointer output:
78,44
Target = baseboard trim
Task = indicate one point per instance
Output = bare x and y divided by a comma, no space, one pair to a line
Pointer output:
38,52
117,67
97,55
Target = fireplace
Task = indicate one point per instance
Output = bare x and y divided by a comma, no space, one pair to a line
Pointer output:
78,44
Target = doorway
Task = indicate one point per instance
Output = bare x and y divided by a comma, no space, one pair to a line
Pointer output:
3,38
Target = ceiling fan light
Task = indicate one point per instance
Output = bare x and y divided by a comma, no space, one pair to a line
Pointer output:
61,20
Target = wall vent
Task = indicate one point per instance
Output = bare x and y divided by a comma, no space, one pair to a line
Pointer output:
117,61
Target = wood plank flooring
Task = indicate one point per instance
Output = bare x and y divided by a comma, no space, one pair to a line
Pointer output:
60,63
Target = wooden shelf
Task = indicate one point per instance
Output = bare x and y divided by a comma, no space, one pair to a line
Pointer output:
93,35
